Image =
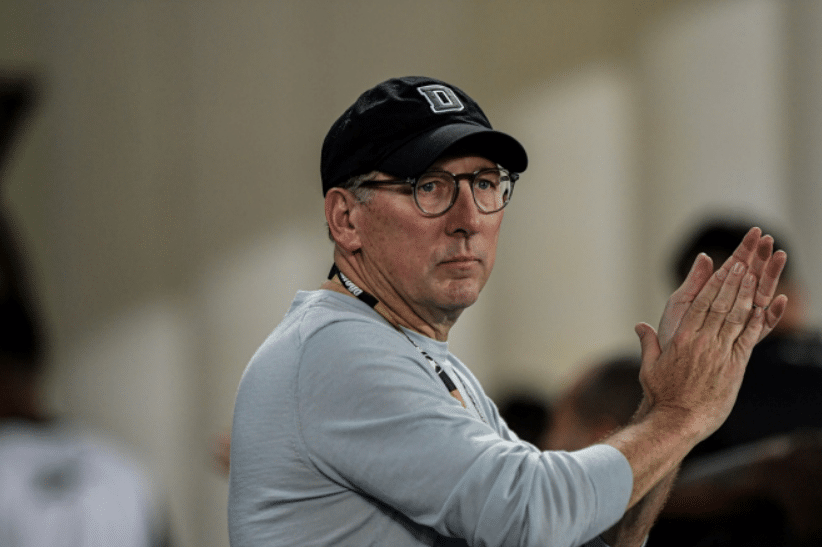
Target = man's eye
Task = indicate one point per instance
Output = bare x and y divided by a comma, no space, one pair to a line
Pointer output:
427,187
485,184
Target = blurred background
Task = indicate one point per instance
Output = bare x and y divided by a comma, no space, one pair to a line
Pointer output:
167,185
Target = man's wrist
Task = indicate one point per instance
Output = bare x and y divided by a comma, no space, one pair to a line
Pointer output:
671,421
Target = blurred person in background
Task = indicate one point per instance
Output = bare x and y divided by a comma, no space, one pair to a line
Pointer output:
767,493
60,484
528,415
600,401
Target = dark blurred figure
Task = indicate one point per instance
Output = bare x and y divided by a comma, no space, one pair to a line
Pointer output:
767,493
758,479
59,484
601,400
529,416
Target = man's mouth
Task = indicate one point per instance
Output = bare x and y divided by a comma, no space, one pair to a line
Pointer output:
461,260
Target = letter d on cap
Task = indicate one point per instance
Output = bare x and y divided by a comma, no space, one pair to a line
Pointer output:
442,99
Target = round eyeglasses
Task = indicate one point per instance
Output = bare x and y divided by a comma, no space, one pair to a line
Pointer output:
435,192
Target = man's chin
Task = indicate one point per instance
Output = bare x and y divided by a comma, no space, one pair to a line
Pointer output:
461,295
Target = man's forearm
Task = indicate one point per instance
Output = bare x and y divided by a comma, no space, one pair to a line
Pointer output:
636,524
655,446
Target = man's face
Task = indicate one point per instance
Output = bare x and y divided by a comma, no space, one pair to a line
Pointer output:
435,264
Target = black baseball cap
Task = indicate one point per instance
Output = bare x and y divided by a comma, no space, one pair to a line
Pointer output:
403,125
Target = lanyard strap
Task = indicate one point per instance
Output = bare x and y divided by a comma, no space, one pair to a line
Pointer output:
372,301
366,297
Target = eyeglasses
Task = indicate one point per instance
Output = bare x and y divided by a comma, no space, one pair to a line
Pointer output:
435,192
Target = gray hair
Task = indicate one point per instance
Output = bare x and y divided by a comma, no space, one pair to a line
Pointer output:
353,186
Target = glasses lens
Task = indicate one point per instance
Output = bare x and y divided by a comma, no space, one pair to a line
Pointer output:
434,192
492,189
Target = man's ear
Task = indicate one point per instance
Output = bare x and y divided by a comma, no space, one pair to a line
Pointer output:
339,206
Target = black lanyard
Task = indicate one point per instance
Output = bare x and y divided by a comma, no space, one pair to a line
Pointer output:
372,301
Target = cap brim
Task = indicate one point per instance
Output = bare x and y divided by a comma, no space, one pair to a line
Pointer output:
418,154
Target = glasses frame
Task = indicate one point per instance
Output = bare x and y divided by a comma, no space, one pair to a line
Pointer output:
455,177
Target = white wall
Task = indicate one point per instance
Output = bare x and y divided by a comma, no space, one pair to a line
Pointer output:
803,34
712,80
562,288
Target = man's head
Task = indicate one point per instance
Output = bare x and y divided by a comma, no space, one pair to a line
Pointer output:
437,176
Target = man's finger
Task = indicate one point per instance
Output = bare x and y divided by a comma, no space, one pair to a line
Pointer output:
750,335
760,258
746,251
648,342
773,314
694,319
737,318
700,273
726,301
681,299
770,279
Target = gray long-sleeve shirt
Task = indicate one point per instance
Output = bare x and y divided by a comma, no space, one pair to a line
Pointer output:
344,435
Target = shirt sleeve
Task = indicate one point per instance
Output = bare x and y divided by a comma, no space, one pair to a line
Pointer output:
381,423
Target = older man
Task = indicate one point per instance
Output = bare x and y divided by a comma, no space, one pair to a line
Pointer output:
354,424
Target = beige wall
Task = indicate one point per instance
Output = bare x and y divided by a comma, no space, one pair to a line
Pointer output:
169,186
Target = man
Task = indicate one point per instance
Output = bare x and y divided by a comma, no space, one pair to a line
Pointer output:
353,423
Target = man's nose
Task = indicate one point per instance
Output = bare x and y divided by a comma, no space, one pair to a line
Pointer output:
465,216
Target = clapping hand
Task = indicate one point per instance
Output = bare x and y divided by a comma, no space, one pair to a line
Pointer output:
708,329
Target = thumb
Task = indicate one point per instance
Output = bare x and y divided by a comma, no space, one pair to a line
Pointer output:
649,342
